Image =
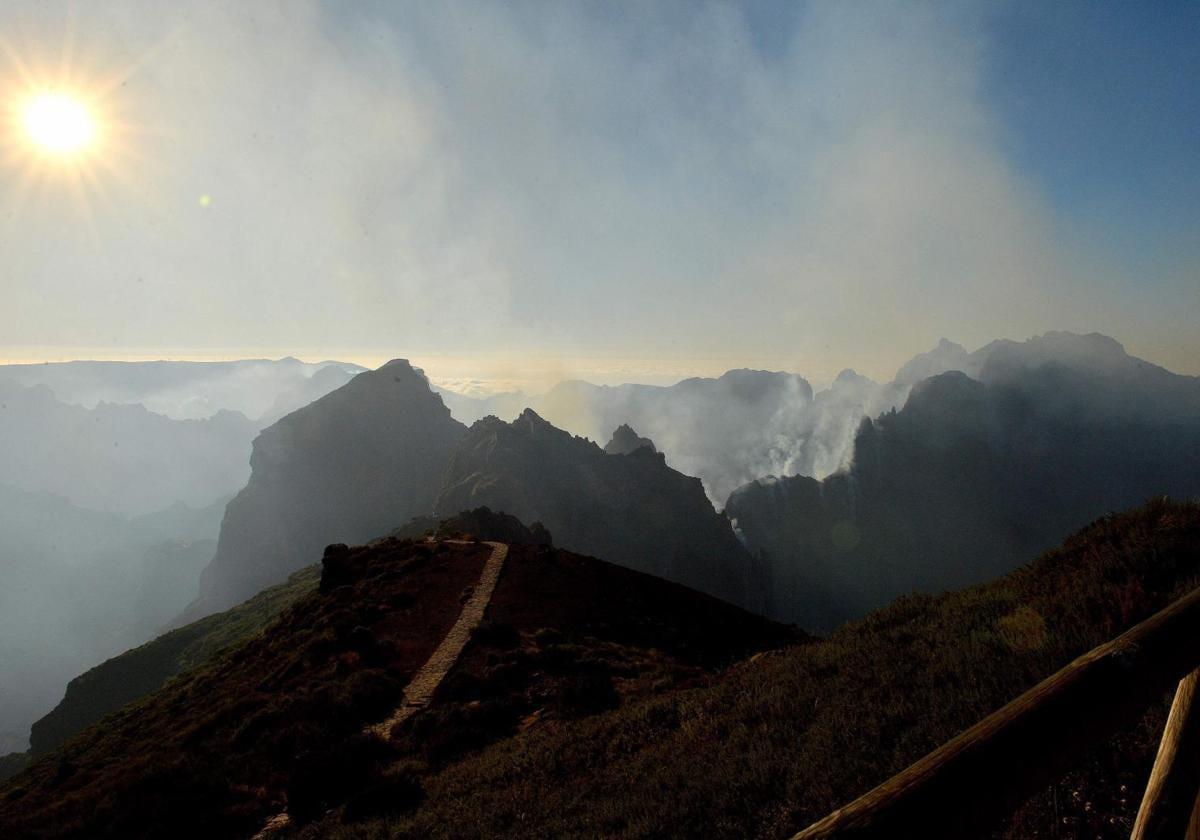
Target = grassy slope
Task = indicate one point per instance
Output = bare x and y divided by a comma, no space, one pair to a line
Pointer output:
144,669
276,719
789,736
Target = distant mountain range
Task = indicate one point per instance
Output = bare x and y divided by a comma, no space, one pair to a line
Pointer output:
968,477
384,449
260,389
978,470
78,586
997,454
113,482
725,431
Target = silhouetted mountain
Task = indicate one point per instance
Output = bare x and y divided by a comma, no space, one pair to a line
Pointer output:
182,390
347,468
625,441
972,476
629,509
947,356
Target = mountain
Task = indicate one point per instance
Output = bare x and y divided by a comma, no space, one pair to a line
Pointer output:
631,509
970,476
298,394
278,719
185,390
118,458
72,591
597,701
349,467
625,441
947,356
468,408
723,430
726,431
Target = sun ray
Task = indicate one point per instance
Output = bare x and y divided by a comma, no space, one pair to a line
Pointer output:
65,135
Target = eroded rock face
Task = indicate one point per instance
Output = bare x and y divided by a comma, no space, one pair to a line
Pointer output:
347,468
625,441
629,509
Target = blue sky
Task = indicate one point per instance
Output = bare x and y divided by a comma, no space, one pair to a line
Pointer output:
1103,102
656,187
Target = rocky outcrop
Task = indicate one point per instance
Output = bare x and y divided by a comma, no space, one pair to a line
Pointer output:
346,468
625,441
629,509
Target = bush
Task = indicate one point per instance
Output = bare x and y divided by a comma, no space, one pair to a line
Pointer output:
588,694
396,792
496,635
320,780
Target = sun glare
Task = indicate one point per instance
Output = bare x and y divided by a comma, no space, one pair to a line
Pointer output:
59,124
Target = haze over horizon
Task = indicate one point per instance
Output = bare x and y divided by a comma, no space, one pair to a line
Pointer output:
674,191
484,376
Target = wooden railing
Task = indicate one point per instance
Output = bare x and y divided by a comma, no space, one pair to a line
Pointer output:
966,786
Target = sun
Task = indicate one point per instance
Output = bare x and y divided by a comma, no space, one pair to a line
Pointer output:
58,124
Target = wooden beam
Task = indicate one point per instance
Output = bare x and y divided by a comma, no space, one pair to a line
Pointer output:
969,783
1175,780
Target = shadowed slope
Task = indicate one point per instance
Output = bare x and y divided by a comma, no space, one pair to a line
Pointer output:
278,720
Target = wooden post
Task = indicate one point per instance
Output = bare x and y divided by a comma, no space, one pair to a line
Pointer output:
1170,798
969,783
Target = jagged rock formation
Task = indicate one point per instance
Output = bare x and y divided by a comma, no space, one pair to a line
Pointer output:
628,509
346,468
625,441
971,477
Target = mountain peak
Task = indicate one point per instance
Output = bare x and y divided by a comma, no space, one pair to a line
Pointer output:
625,441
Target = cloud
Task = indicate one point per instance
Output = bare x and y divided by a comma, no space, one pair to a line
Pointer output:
517,179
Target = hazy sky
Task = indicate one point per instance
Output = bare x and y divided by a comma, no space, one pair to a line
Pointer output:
658,186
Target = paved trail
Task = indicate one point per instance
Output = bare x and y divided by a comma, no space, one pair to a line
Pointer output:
421,688
425,682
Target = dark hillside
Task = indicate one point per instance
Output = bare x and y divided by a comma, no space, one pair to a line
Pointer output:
788,737
595,701
277,721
